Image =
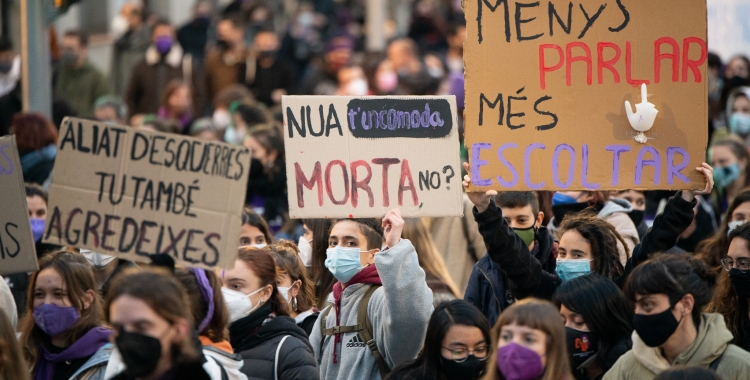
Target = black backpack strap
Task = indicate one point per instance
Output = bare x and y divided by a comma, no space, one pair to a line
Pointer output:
715,364
366,334
224,374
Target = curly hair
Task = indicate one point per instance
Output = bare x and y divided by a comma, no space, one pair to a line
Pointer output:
725,300
714,248
602,237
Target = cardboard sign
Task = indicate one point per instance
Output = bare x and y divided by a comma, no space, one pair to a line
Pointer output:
130,193
17,251
361,157
547,82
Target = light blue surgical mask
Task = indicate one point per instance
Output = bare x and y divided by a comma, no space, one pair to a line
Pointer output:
726,175
343,262
570,269
739,123
562,199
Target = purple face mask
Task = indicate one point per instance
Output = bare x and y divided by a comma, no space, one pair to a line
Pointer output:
163,44
55,320
37,228
517,362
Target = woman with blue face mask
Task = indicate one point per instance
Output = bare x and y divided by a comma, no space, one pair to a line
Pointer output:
62,334
587,244
730,160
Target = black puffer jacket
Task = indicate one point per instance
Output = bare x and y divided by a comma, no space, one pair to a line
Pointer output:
524,272
296,360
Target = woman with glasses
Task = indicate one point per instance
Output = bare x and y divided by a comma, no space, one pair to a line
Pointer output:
456,347
733,290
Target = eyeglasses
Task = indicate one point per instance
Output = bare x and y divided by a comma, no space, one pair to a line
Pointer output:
459,355
742,264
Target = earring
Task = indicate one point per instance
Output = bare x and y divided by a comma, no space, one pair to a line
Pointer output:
294,303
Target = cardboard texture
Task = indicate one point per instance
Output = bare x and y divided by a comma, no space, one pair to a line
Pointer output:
130,193
546,85
361,157
17,251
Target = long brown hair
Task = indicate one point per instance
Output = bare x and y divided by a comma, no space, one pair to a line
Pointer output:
161,291
429,258
286,255
216,330
713,249
78,279
263,266
725,300
12,365
538,315
323,278
602,237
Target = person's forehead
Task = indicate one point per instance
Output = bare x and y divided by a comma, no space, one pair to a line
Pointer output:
346,228
518,211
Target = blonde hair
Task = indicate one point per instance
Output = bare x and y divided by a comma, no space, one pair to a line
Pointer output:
429,258
538,315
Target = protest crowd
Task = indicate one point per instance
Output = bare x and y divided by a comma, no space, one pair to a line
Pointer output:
553,285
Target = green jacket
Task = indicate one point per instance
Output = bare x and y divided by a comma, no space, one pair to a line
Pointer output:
81,87
644,363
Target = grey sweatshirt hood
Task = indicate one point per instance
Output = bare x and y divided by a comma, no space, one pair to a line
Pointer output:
615,205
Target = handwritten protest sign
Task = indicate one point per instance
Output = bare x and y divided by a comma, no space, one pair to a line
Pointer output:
546,85
360,157
17,252
131,193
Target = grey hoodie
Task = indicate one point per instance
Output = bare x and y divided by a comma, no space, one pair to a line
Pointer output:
399,312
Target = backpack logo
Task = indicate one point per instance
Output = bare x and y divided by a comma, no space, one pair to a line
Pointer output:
356,342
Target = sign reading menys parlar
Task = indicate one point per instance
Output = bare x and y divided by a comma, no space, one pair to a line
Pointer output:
132,193
17,251
360,157
546,90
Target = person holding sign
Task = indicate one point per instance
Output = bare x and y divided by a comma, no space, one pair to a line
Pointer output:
61,334
381,290
587,244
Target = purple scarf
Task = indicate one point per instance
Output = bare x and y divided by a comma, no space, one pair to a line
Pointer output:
184,119
85,346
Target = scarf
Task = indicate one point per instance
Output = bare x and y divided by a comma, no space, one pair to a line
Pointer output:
85,346
223,345
241,331
368,275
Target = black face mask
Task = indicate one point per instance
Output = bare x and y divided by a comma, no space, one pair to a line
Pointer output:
740,282
140,353
562,210
267,54
471,368
5,67
636,216
222,44
582,345
655,329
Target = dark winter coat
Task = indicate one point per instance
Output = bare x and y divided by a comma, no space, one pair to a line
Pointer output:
488,288
524,272
296,360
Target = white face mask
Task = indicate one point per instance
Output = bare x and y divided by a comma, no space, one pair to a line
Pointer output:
259,246
284,290
239,304
97,260
305,251
221,119
356,87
